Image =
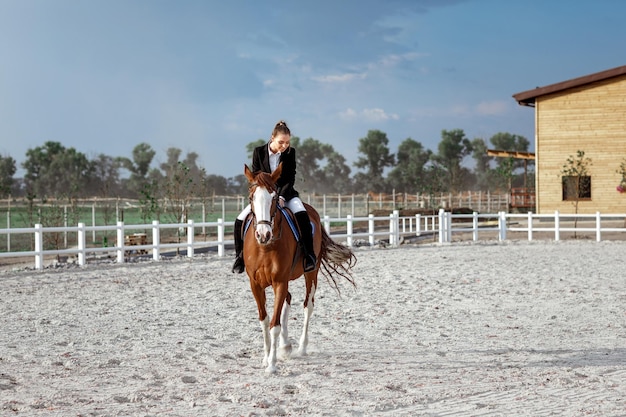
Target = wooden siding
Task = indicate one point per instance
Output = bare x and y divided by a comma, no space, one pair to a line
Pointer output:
589,118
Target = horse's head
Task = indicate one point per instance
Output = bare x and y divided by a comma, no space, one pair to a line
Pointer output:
263,199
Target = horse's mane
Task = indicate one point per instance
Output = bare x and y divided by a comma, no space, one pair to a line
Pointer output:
264,180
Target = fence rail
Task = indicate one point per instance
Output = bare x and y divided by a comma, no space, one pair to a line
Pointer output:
352,231
99,211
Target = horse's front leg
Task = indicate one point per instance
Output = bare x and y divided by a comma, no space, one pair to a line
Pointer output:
260,298
280,298
265,329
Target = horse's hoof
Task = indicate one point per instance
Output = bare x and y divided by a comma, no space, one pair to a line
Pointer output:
271,369
285,351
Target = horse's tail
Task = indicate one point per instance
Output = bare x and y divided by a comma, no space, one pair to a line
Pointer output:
336,259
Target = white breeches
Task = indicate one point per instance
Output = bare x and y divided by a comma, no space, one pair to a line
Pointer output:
295,205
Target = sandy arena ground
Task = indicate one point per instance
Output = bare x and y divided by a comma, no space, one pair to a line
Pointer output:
468,329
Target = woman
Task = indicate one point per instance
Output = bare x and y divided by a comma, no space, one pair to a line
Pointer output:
266,158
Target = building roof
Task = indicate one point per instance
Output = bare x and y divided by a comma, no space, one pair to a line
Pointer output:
527,98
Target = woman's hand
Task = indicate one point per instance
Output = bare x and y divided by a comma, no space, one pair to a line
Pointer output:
281,201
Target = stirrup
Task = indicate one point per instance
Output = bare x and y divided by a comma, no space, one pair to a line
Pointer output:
238,266
310,263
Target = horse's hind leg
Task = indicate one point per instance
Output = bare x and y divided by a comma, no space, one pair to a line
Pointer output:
284,346
308,312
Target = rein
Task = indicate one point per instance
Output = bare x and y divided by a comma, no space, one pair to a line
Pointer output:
276,226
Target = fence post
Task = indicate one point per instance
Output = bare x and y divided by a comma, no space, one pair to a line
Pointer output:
394,228
557,231
120,242
204,219
156,240
327,223
65,226
190,237
442,222
93,222
449,225
349,227
80,235
418,226
38,246
353,214
475,226
598,227
339,205
530,226
501,226
220,237
9,232
371,229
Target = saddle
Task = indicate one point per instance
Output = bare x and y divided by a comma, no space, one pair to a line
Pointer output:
291,221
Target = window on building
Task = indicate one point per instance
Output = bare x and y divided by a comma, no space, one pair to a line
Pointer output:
576,188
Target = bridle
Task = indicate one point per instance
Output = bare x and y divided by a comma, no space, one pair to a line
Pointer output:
273,206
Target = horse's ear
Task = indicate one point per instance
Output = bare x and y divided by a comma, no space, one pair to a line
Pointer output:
276,174
248,173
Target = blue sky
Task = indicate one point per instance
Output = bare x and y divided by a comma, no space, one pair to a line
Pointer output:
211,76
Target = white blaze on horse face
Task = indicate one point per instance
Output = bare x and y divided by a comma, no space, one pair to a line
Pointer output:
262,205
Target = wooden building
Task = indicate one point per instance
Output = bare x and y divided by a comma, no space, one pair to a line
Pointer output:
585,114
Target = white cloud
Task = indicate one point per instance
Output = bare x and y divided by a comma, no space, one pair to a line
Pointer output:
378,115
368,115
395,59
348,114
491,108
485,108
340,78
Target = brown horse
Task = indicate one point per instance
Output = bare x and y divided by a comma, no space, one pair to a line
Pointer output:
273,258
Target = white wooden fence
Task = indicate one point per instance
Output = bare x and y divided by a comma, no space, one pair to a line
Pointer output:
353,231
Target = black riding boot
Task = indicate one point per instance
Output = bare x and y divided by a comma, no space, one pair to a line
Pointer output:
238,266
306,238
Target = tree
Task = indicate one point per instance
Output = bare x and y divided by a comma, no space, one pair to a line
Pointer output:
576,180
437,177
310,153
138,167
218,185
622,173
509,142
106,182
482,170
238,185
53,170
504,171
250,149
171,165
336,174
7,170
376,157
178,191
409,172
453,148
